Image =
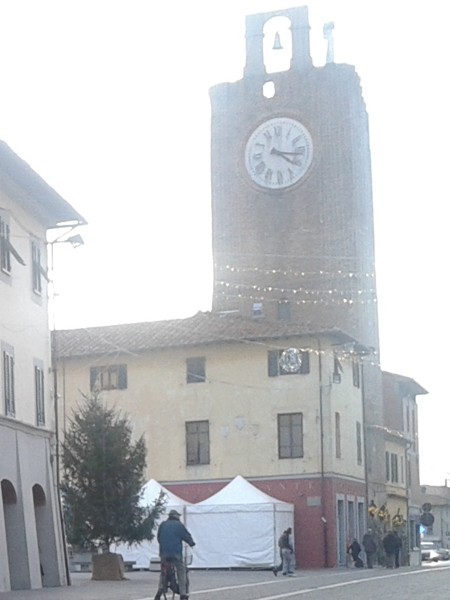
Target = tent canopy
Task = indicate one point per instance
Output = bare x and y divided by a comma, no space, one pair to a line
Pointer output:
239,526
242,492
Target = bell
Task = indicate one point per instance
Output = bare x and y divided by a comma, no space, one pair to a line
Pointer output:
277,42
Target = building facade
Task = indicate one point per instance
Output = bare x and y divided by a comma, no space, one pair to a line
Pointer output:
435,514
402,454
31,534
221,395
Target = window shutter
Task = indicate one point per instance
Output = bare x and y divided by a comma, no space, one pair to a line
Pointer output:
122,377
94,375
272,365
305,363
191,444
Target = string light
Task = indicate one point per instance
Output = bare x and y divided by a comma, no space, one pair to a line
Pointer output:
321,301
351,274
284,290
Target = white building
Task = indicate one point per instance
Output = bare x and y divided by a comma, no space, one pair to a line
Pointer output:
31,540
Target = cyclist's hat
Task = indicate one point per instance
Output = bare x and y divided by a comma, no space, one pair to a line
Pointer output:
174,514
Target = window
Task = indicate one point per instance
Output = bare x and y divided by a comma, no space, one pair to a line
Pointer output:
394,468
408,472
5,255
195,370
358,443
113,377
197,442
337,427
39,394
8,380
257,309
351,518
290,435
276,361
356,374
6,248
36,268
284,310
337,370
388,467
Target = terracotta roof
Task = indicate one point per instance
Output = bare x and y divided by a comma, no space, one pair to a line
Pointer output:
202,328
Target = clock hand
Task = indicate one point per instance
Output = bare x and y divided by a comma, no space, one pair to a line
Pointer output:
279,152
282,154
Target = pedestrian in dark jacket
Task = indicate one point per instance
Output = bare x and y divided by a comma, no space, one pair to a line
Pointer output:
283,542
398,547
354,549
390,544
370,547
171,535
286,554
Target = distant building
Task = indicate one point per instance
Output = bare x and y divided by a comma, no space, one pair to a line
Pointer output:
435,513
31,540
402,454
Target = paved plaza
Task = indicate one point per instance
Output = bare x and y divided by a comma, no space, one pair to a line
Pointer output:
222,585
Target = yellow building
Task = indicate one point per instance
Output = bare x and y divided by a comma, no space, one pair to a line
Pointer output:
218,395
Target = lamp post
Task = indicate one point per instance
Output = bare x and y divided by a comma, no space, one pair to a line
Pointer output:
75,240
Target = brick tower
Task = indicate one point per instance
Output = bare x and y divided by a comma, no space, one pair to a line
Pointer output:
292,214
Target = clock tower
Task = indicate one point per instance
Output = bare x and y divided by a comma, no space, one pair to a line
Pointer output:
292,216
291,190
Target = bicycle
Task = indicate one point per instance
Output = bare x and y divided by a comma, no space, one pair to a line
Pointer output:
168,579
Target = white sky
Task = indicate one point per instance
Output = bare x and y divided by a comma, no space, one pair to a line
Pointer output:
108,101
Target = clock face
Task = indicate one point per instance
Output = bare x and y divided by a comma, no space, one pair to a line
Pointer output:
278,153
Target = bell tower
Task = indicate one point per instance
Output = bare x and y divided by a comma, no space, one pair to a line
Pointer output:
291,189
292,215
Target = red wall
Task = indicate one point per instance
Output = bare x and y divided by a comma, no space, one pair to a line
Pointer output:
315,540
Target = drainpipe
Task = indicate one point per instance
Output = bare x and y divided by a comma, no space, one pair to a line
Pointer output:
322,465
54,357
366,470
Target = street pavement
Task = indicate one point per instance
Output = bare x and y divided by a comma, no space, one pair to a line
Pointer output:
252,585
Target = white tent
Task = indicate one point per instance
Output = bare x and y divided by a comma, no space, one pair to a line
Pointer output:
238,527
146,551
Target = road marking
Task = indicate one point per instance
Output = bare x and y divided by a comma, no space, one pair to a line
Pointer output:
319,588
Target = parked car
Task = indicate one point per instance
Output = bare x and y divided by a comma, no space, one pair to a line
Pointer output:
432,552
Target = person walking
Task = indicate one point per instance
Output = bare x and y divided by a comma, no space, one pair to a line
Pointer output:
398,547
283,542
354,550
287,553
390,544
171,535
370,547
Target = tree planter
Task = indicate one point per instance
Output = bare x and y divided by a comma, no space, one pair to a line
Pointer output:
108,567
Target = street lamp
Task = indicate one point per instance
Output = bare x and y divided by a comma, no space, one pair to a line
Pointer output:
75,240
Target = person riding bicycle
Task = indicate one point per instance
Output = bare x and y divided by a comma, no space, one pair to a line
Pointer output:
171,535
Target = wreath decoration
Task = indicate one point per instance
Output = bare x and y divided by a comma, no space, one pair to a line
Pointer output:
398,520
